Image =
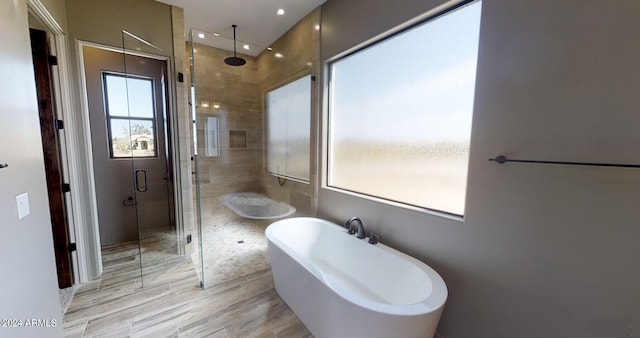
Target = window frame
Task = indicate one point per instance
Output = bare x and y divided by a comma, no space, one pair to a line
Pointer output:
109,117
423,19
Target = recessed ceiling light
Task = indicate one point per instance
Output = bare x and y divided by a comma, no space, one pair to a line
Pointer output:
216,106
269,48
246,47
278,55
280,11
201,35
216,34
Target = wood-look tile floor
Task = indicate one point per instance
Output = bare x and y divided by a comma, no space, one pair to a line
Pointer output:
172,304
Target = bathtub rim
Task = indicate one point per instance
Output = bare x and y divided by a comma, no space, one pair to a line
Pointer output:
434,302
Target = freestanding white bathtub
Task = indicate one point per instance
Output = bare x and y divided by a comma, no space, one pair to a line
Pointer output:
341,286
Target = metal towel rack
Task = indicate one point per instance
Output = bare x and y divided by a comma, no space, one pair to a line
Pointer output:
503,159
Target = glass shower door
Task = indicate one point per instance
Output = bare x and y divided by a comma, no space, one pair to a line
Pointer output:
142,137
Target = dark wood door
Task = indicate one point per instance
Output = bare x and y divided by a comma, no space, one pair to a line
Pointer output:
51,149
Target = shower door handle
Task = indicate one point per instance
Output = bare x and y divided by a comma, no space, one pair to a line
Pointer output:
130,201
141,180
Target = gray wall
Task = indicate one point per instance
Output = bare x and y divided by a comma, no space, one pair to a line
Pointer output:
544,251
58,10
29,286
102,22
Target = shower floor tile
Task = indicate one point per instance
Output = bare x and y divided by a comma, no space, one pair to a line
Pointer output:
234,248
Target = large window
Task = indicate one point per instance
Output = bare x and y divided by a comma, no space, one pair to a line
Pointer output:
400,114
288,130
130,115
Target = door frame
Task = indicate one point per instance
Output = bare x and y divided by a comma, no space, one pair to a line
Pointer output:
47,110
173,160
76,147
83,259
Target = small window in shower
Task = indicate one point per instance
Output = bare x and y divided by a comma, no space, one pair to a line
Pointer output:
288,119
400,111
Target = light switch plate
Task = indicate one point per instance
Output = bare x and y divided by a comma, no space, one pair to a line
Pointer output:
22,203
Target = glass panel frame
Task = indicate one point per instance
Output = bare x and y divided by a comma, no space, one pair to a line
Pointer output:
198,258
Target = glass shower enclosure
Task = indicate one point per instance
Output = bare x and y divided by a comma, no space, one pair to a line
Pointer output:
242,182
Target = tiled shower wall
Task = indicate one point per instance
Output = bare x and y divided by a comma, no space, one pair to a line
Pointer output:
235,96
300,48
230,94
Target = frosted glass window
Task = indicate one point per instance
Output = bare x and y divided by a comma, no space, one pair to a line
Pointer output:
400,114
288,130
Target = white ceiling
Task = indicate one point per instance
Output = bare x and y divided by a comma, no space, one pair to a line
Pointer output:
258,23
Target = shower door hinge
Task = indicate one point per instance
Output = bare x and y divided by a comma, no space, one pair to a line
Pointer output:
72,247
66,187
59,124
53,60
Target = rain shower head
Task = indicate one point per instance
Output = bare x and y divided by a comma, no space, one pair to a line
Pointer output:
234,60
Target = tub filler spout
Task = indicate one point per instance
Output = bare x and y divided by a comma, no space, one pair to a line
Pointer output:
351,227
